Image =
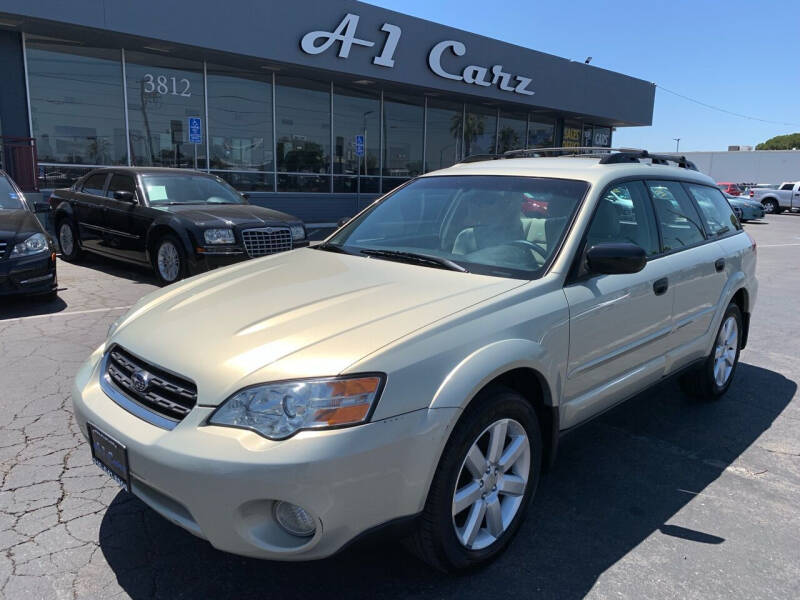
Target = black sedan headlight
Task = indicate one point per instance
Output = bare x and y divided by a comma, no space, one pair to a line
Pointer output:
298,231
35,244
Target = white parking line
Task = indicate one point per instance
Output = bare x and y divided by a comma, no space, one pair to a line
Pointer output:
776,245
64,314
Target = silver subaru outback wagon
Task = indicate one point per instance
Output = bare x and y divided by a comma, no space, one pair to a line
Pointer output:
420,364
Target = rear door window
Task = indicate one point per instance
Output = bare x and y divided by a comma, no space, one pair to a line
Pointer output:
95,184
624,214
677,217
717,213
121,183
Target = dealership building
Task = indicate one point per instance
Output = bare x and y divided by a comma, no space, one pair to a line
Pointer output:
313,106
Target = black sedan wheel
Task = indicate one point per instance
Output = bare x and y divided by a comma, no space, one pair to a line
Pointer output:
169,260
68,240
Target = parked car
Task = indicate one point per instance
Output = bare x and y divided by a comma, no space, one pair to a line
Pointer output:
177,221
729,188
786,197
748,210
27,252
418,367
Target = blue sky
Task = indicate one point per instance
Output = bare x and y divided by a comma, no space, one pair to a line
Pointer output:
741,56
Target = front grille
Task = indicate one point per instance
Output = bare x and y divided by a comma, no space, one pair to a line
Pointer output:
269,240
166,394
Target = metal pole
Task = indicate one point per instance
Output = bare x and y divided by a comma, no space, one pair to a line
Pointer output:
129,150
27,85
677,143
208,129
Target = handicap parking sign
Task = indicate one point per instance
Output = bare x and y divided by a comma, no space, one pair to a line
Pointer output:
195,130
359,145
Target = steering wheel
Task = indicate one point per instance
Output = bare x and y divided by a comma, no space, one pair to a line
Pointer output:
526,244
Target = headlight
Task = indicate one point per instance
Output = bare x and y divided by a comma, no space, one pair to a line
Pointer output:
36,244
218,236
298,232
279,410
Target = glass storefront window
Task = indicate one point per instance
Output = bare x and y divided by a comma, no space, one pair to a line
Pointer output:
541,134
163,92
480,130
317,184
303,116
573,135
240,119
513,129
356,113
602,137
248,181
76,102
402,135
443,129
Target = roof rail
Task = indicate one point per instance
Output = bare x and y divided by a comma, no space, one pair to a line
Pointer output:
609,156
633,156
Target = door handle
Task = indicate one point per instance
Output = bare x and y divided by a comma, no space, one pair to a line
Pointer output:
719,264
660,286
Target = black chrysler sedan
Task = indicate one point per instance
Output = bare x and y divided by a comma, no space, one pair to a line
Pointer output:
177,221
27,252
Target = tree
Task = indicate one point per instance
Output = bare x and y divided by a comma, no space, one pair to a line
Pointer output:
781,142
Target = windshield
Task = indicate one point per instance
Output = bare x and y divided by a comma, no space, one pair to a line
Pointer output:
163,190
9,198
484,224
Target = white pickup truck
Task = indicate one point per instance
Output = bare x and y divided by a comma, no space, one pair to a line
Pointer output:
786,197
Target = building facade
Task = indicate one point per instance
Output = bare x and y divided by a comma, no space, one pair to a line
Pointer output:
311,106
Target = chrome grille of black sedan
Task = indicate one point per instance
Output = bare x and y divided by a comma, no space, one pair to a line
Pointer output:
267,240
153,388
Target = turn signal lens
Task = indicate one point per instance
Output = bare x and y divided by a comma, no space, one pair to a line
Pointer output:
279,410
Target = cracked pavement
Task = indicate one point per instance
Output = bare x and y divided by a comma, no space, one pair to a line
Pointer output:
659,498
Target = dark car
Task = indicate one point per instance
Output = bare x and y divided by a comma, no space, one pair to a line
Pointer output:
177,221
27,252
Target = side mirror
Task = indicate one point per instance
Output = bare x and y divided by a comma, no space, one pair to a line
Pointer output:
124,196
246,196
41,207
343,221
615,259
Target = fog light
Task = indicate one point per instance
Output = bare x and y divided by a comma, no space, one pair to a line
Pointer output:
294,519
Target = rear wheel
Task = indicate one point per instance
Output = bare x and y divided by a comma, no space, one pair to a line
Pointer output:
713,378
68,240
486,477
771,206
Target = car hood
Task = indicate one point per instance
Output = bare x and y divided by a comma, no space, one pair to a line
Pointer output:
304,313
230,215
18,224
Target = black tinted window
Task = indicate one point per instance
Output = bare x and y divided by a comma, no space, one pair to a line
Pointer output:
787,186
624,214
9,198
121,183
717,213
94,184
677,217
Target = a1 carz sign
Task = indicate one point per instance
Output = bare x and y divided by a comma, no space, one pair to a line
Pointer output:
317,42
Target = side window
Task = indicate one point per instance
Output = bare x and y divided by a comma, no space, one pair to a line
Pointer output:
787,186
717,213
94,184
677,216
121,183
624,214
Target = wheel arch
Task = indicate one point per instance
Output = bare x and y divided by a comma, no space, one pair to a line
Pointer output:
516,364
161,228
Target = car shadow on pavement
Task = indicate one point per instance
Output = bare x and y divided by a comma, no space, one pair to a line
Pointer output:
116,268
28,306
617,481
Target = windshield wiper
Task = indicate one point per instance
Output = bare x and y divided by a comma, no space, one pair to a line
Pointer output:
414,258
328,247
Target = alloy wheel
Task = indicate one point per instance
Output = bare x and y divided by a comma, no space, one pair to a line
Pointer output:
169,261
491,484
65,239
725,351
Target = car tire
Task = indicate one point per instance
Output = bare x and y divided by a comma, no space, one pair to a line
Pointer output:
68,240
169,260
712,379
501,491
771,207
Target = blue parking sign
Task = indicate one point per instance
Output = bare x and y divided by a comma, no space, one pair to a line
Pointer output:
359,145
195,130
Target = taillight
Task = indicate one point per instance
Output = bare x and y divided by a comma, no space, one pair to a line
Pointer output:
752,193
753,245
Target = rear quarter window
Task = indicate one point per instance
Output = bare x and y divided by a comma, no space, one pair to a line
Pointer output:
717,214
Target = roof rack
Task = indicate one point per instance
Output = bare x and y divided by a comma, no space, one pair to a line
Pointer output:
609,156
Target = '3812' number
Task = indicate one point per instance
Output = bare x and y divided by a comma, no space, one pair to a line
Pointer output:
163,85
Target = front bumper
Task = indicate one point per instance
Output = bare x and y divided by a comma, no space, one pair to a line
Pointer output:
206,258
220,483
28,275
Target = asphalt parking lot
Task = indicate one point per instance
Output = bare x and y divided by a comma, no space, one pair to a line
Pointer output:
660,498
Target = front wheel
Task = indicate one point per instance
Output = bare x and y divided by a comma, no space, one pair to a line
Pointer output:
713,378
486,477
169,260
771,207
